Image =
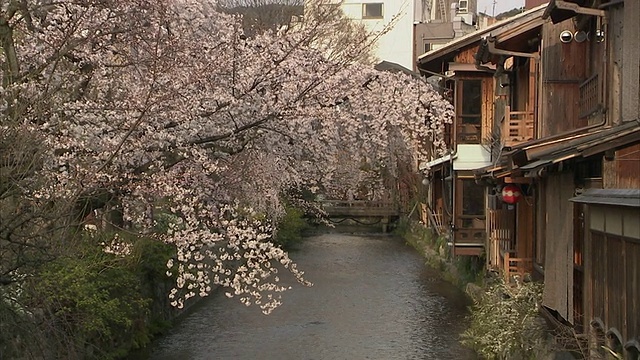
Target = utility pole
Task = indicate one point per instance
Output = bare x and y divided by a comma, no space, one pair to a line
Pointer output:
493,13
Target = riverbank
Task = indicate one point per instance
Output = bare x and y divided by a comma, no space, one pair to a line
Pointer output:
466,273
506,315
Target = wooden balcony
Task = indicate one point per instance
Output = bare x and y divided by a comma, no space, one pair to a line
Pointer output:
501,252
518,126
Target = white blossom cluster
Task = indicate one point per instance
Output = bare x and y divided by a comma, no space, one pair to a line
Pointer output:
167,107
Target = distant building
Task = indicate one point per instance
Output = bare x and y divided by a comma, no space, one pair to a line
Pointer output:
418,25
397,44
444,21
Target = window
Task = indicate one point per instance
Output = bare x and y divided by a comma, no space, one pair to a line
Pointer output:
427,47
463,6
469,111
472,206
473,198
372,11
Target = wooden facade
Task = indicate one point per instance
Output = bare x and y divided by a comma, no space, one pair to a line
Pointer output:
563,124
611,294
494,104
564,70
584,144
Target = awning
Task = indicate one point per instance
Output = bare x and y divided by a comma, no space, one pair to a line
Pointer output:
471,157
540,153
431,164
617,197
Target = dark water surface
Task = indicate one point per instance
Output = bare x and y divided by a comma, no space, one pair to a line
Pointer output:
373,298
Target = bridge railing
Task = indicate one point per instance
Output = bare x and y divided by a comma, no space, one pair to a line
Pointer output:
359,208
357,203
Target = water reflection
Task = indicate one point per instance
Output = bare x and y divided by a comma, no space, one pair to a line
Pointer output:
372,299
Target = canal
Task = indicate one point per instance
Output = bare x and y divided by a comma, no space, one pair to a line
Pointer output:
373,298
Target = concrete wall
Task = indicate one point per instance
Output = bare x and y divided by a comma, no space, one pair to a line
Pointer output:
397,44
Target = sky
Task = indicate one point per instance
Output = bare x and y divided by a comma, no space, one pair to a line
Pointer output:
486,6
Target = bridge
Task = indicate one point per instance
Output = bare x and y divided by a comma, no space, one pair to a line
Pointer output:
361,211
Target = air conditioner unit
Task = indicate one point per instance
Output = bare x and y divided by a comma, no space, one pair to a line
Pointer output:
467,19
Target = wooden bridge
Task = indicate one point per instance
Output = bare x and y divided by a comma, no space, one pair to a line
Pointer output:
361,210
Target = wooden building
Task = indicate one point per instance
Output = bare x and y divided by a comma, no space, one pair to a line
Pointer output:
473,87
577,225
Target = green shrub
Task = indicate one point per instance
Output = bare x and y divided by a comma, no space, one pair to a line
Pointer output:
470,269
505,322
104,305
291,228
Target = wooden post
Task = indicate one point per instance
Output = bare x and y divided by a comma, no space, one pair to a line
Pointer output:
385,224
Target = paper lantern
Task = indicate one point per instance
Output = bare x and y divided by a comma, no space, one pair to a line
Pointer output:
511,194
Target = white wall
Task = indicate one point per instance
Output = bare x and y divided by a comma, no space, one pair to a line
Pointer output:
396,45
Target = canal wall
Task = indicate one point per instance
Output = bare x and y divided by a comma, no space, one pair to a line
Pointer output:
465,272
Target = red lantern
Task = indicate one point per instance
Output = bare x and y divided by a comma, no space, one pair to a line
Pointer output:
511,194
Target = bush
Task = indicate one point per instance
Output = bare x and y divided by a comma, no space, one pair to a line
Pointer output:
290,228
98,305
505,322
470,269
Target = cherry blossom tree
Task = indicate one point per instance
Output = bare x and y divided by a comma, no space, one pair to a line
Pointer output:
167,108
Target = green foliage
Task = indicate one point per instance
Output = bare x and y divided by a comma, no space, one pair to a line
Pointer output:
103,301
95,298
504,322
291,228
469,268
403,228
150,263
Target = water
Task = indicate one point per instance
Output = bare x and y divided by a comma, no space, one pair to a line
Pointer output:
372,298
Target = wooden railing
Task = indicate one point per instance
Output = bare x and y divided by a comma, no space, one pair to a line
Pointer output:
589,96
501,245
515,266
359,208
518,126
470,229
468,133
500,229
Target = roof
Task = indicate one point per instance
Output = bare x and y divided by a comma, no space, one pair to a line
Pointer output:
585,145
478,35
618,197
429,165
394,68
540,153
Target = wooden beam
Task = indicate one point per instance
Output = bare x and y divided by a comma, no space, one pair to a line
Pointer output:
492,49
578,9
467,251
518,180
